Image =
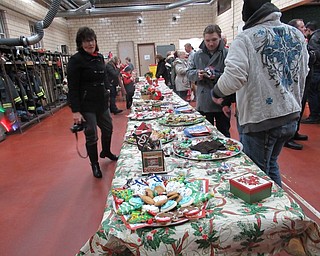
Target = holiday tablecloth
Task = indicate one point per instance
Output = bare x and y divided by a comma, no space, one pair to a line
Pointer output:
231,226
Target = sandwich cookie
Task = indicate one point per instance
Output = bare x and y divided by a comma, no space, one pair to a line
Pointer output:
163,218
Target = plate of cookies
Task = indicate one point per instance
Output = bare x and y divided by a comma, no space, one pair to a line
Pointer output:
181,119
146,115
165,135
206,148
161,200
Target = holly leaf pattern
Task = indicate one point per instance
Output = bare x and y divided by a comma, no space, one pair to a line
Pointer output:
208,236
151,239
249,236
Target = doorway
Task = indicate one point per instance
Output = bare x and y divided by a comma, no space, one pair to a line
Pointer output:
146,57
126,49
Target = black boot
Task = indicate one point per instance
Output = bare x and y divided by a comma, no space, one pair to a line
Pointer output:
96,170
93,156
106,152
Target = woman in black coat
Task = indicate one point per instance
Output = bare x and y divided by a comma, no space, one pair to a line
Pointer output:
89,92
162,70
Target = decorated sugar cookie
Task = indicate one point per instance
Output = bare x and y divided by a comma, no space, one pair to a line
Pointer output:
124,194
168,206
126,208
186,201
160,200
152,209
201,197
136,201
173,186
183,191
138,217
163,218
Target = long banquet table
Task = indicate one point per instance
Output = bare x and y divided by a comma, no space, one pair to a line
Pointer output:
230,226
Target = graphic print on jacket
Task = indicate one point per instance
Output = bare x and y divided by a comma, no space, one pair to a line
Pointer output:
280,53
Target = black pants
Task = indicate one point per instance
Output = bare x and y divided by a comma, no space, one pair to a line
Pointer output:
220,120
101,119
182,94
130,92
113,96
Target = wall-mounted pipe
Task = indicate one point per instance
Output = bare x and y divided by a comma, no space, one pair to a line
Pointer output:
126,9
39,27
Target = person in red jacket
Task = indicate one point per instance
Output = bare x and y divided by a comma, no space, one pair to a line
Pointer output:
128,81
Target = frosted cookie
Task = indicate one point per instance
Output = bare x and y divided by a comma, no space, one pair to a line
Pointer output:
194,185
136,201
186,201
138,189
160,200
173,186
183,191
124,194
168,206
139,217
163,218
201,197
154,184
126,208
189,211
152,209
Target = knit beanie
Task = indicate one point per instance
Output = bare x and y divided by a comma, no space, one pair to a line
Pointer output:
250,7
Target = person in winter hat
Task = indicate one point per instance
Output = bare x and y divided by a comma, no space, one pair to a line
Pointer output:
250,7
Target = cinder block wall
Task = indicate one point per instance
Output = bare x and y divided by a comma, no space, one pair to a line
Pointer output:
157,26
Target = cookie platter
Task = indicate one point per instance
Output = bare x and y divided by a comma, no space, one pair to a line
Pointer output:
146,115
181,119
207,148
160,200
165,135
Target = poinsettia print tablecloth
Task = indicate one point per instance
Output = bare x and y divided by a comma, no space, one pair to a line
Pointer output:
231,226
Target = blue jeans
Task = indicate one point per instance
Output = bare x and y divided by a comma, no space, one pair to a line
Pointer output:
264,147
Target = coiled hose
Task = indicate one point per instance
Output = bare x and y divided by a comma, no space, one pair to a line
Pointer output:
39,27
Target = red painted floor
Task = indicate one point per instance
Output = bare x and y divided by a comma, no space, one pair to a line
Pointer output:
51,204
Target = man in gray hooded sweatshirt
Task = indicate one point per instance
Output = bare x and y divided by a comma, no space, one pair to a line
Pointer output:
266,66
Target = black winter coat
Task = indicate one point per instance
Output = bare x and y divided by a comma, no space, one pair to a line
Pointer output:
87,82
162,71
113,74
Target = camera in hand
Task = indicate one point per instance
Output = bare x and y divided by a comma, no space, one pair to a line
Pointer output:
209,71
78,127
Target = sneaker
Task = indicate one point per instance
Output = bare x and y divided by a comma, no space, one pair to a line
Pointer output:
311,120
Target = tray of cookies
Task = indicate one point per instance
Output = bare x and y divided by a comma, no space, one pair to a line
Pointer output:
161,200
206,148
146,115
181,119
166,135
